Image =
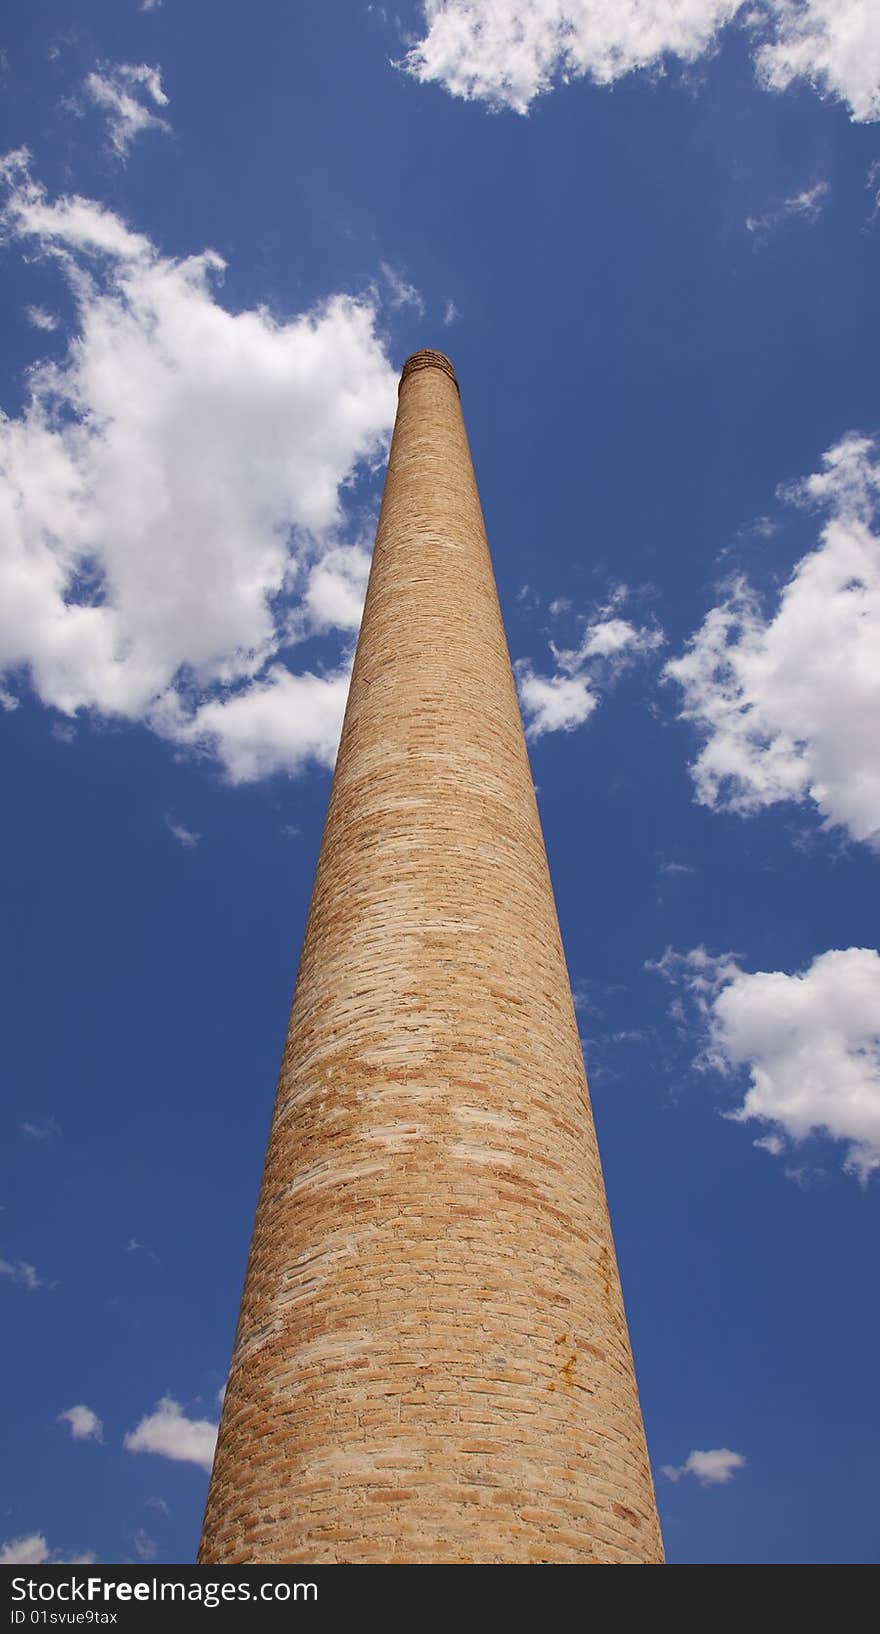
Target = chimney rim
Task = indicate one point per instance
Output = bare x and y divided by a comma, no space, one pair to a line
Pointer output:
428,358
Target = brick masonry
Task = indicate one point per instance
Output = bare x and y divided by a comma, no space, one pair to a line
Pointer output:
432,1360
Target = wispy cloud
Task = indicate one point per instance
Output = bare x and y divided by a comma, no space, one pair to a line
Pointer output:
872,182
806,205
401,291
129,94
22,1272
145,1547
40,318
135,1247
186,837
566,697
48,1129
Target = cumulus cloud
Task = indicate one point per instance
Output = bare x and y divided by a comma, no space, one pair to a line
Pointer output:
168,1432
508,52
809,1043
128,94
281,723
22,1272
33,1550
787,705
171,498
85,1424
832,44
334,590
567,697
713,1468
553,703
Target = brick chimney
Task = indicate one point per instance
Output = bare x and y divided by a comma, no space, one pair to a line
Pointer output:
432,1361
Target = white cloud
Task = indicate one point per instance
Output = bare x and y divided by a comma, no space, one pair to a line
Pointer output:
508,52
833,44
40,318
49,1129
810,1044
186,837
281,723
33,1550
129,94
713,1468
146,1548
808,205
171,503
808,202
565,699
85,1424
553,703
788,705
22,1272
168,1432
401,292
335,588
451,313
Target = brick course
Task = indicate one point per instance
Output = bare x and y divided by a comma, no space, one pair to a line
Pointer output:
432,1360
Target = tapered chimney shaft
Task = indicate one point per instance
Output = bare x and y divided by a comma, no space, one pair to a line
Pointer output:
432,1361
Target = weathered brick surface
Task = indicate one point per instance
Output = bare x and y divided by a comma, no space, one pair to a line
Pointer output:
432,1360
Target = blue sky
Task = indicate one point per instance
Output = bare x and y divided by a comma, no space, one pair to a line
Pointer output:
649,237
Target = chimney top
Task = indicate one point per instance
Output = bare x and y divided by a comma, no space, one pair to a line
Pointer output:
428,359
